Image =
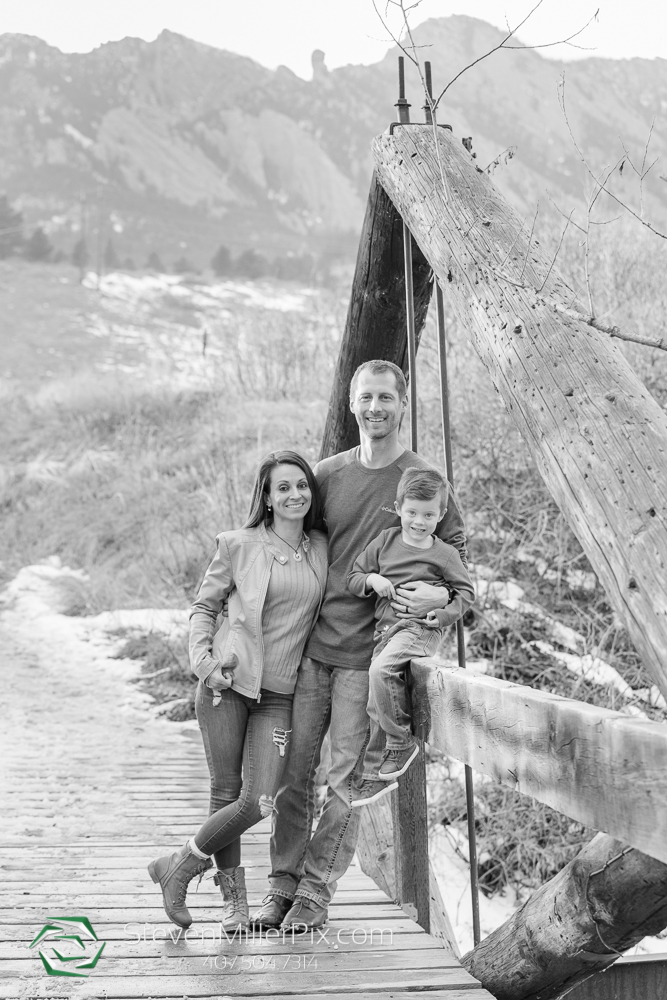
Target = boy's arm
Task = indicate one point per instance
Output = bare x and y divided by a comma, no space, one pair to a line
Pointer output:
365,564
461,590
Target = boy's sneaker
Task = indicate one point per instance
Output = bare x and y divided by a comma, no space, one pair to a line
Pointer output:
396,761
370,791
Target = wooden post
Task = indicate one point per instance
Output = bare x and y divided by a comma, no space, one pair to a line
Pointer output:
376,852
602,903
598,437
376,318
410,817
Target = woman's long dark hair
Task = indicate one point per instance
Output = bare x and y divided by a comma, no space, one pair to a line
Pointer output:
260,513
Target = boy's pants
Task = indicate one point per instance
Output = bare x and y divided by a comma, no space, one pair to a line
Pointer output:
388,703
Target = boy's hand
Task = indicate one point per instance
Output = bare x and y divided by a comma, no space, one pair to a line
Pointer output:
381,585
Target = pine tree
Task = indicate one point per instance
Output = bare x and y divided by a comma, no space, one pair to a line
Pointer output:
154,263
252,264
39,246
221,261
11,229
111,260
80,255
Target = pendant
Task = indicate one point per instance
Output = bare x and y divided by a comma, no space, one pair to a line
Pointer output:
297,556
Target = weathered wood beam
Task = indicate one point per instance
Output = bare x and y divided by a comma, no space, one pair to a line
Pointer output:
597,436
376,318
602,903
600,768
376,851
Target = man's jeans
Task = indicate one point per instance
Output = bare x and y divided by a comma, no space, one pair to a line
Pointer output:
245,743
388,701
330,697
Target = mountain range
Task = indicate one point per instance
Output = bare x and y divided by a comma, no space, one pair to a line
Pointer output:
176,147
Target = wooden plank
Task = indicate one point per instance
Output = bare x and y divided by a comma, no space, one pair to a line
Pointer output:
597,435
639,977
274,984
601,768
286,960
410,822
376,320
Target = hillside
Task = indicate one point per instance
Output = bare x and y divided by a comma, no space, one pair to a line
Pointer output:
178,146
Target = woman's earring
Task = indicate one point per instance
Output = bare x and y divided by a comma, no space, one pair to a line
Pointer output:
268,506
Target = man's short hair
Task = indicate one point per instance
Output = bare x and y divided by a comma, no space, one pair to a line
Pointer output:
423,484
379,367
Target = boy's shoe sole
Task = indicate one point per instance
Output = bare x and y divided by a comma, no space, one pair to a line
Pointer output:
390,775
383,788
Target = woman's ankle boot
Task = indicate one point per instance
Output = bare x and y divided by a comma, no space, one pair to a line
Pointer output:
235,910
174,872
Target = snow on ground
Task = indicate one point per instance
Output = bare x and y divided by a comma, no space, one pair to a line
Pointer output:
171,329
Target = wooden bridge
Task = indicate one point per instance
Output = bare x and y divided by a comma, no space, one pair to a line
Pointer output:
600,442
370,947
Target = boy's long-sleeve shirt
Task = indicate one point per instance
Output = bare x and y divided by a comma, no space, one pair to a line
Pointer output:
358,504
440,564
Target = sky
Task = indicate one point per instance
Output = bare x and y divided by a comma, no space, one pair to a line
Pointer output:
275,32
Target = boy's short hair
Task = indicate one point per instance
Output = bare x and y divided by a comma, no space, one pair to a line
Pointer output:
379,367
423,484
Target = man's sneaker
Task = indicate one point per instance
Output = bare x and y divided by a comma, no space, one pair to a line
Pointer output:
395,762
370,791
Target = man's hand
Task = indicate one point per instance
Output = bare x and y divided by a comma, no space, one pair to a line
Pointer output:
381,585
418,598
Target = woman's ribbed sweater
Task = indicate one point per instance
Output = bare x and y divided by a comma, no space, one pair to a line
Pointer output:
290,603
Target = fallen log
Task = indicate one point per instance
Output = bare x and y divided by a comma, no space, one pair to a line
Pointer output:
597,436
376,318
601,904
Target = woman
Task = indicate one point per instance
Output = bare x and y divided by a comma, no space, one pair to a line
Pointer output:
273,570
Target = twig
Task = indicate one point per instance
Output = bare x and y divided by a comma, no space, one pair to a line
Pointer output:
555,256
530,240
508,153
626,207
503,45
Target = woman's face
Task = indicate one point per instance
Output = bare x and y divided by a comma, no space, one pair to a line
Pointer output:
289,494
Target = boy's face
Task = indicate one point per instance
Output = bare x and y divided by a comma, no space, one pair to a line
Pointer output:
419,518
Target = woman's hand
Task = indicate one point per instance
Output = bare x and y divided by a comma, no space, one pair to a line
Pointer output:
381,585
219,679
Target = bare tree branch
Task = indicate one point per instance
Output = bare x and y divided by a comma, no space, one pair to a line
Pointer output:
510,34
604,185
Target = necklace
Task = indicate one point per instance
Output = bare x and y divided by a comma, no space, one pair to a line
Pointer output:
295,551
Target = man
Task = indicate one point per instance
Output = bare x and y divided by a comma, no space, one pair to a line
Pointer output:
358,491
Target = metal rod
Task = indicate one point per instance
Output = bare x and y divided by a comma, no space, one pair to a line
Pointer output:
401,103
428,117
412,338
461,650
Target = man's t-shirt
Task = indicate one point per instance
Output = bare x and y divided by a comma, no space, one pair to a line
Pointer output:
358,505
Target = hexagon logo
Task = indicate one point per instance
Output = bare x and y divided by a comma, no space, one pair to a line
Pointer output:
77,953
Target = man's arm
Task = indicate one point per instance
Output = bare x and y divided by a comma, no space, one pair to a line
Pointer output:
451,528
462,594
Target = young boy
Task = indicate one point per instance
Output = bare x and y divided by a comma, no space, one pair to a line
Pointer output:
398,556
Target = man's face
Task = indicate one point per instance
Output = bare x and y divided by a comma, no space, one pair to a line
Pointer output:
377,405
